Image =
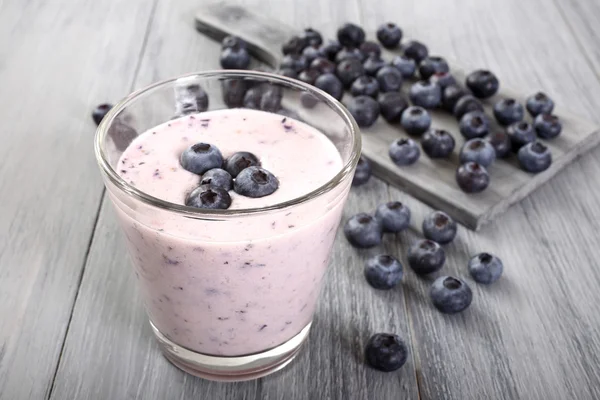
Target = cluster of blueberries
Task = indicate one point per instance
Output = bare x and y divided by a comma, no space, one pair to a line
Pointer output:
448,294
241,172
355,64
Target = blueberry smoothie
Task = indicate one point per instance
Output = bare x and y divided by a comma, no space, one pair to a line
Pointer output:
228,286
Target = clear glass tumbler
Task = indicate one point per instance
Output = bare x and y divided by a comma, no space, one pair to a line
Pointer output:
229,323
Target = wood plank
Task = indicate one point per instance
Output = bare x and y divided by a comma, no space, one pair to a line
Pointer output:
123,353
432,181
534,334
53,64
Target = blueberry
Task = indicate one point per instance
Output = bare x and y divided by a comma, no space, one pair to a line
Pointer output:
501,143
100,112
406,65
472,177
394,216
386,352
443,80
309,75
439,227
255,182
364,109
330,84
425,94
233,42
252,97
290,73
404,152
365,85
323,65
432,65
330,49
240,161
121,134
271,98
348,70
297,62
373,64
369,49
426,256
450,295
383,272
312,37
234,91
534,157
450,96
389,35
474,124
351,35
539,103
415,120
389,78
437,143
201,157
547,126
520,133
362,172
217,177
466,104
479,151
482,83
209,197
508,111
363,230
235,58
310,53
294,46
416,50
485,268
347,53
392,105
190,99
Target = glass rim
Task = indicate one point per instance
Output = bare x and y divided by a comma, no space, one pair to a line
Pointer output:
132,191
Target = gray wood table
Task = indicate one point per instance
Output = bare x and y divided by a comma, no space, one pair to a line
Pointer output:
71,322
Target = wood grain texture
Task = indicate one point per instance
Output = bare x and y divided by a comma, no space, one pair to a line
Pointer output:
430,180
124,353
533,335
53,64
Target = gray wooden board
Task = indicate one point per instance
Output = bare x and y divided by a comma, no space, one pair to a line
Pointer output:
534,335
430,180
52,63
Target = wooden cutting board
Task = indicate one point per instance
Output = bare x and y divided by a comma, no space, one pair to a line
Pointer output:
431,181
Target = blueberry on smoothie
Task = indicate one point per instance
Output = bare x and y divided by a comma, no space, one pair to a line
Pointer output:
386,352
240,161
450,295
255,182
393,215
100,112
383,271
201,157
209,197
217,177
363,230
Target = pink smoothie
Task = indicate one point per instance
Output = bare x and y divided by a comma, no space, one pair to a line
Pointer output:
238,285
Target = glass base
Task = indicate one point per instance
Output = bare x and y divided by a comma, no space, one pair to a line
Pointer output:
231,369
